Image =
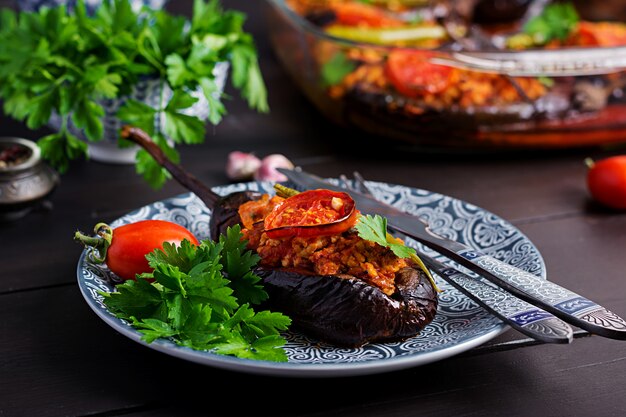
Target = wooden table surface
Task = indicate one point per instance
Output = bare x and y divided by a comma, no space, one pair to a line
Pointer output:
57,358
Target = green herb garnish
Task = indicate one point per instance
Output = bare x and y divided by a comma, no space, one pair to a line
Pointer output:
336,69
374,229
201,298
57,61
557,21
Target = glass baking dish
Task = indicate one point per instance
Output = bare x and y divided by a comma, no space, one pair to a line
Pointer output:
493,98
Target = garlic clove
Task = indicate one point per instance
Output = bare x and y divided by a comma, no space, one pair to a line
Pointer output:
267,171
241,165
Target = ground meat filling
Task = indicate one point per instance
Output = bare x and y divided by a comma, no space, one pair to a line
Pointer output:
329,255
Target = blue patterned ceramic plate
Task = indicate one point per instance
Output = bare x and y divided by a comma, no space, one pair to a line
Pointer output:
459,325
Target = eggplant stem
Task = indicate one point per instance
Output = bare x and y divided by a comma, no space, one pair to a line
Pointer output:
185,178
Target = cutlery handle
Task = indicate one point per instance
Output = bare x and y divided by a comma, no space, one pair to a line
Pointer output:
563,303
522,316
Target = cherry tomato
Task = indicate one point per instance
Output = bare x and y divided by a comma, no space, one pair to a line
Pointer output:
413,75
606,181
125,255
312,213
358,14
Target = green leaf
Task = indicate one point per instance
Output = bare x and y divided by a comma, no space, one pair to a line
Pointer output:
108,86
138,114
269,323
8,20
18,105
374,229
238,264
171,153
61,148
247,77
153,173
182,256
87,115
401,251
212,95
557,21
170,277
40,109
133,298
177,72
205,15
170,32
336,69
269,348
153,329
66,101
123,15
181,100
183,128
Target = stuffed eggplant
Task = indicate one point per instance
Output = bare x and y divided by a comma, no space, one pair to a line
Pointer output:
336,286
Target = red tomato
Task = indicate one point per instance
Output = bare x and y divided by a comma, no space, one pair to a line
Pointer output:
413,75
606,180
312,213
126,256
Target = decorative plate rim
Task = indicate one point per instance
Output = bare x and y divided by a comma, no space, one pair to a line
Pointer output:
291,369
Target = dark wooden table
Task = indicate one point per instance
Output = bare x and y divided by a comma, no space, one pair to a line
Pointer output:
57,358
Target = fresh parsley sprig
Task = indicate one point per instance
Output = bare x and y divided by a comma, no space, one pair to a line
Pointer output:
57,61
374,229
201,297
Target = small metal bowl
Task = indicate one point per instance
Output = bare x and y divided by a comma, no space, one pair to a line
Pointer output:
25,180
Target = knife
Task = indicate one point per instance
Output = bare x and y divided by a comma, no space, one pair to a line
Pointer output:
547,295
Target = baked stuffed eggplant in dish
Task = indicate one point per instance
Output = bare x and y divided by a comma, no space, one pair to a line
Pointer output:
389,68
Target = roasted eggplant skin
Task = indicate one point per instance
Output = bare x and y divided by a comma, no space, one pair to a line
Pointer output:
225,211
339,309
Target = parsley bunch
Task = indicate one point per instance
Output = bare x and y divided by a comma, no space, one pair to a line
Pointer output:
57,61
200,297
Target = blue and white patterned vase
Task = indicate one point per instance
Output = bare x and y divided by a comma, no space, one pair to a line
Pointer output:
148,91
92,5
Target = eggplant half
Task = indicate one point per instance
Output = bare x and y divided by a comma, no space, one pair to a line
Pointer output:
339,309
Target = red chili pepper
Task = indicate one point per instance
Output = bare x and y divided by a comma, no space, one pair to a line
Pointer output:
312,213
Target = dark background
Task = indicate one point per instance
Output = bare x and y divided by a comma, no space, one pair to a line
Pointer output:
57,358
